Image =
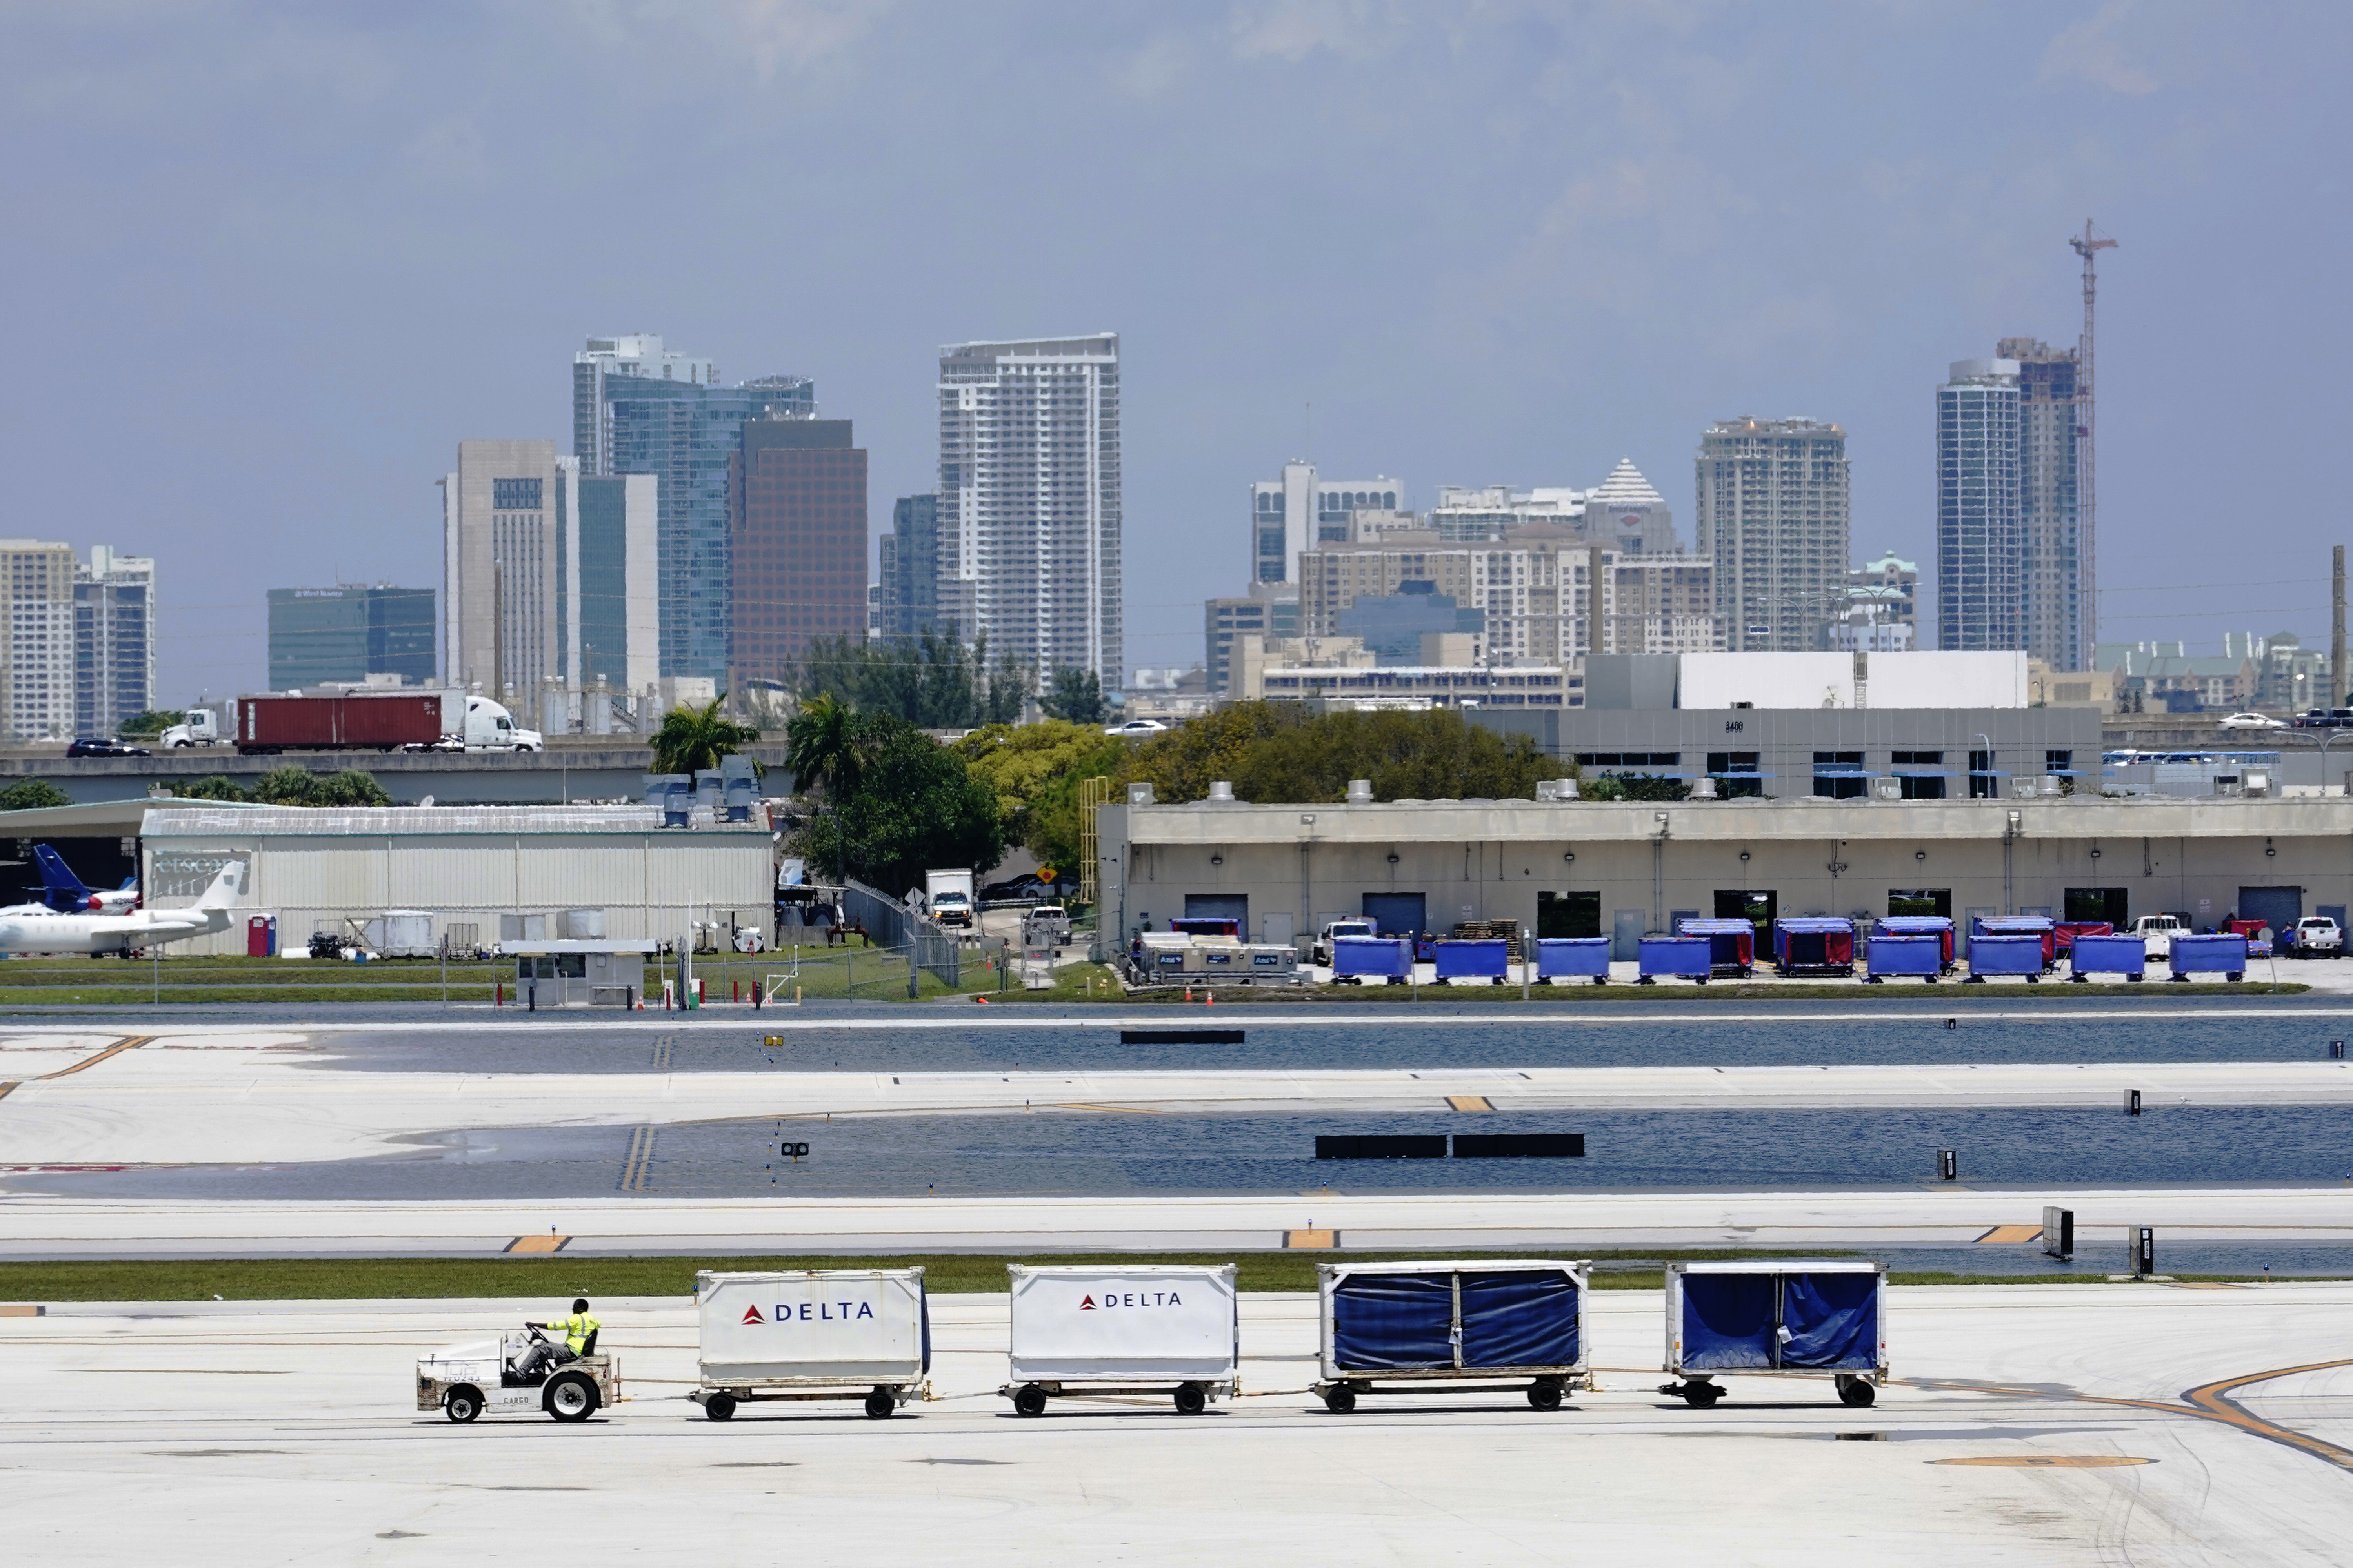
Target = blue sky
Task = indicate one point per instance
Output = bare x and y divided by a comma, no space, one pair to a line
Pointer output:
267,264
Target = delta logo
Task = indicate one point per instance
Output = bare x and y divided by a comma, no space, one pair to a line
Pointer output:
1115,1299
811,1312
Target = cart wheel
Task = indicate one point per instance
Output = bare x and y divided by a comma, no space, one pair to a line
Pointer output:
1855,1392
719,1407
570,1398
1191,1399
1702,1396
1543,1394
880,1406
2236,975
462,1405
1341,1400
1029,1401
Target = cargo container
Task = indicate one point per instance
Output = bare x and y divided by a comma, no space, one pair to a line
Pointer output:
1122,1330
823,1333
390,721
1693,957
2223,954
1732,944
2043,927
2107,953
1776,1320
1355,959
2019,954
1921,953
1572,957
1451,1328
1939,926
1814,944
1484,958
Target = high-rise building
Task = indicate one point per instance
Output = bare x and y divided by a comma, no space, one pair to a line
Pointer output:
1773,519
37,659
1266,611
1979,598
620,588
1882,612
1624,513
798,548
910,572
114,640
2049,567
504,516
641,409
1029,501
349,633
1299,510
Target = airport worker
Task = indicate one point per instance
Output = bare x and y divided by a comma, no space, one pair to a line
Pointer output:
577,1330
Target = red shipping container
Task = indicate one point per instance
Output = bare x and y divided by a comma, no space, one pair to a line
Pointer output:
337,724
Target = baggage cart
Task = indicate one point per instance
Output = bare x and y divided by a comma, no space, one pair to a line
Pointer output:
2040,927
1512,1326
2066,932
1781,1319
1922,955
1122,1330
1355,959
817,1333
1483,959
1814,944
1939,926
2020,954
1572,957
2220,953
1693,957
1732,944
2107,954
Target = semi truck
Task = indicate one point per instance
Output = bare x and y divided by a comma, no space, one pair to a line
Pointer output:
394,721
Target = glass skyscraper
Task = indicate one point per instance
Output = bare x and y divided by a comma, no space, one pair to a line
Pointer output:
1979,532
322,635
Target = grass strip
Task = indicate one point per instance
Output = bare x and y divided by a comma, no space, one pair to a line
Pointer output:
346,1278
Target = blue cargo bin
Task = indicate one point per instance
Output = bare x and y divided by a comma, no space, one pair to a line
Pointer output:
1939,926
1693,957
2124,955
1355,959
2042,927
1814,944
2005,955
1475,959
1572,957
1732,944
1788,1318
2223,955
1515,1326
1922,955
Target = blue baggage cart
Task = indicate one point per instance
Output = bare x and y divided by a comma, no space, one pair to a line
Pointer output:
2225,955
2124,955
1355,959
1920,952
1732,944
2019,954
2040,927
1514,1325
1814,944
1939,926
1776,1320
1474,959
1572,957
1693,957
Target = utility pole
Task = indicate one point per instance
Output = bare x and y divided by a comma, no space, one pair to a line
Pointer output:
2087,245
2336,631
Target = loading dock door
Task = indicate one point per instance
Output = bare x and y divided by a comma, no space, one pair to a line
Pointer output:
2107,904
1397,914
1234,907
2278,908
1758,906
1569,914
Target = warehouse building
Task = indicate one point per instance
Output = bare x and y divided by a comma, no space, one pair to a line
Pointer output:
1620,869
318,870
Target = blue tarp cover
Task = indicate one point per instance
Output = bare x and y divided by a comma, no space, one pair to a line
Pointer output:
2226,954
1467,960
1370,955
1677,956
1918,954
2006,955
1832,1318
1916,925
2110,955
1399,1321
1727,1321
1581,955
1525,1317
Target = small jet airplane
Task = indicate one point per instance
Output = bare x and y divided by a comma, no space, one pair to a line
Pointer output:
124,934
68,896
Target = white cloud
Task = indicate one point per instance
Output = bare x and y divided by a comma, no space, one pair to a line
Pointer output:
2091,49
1295,30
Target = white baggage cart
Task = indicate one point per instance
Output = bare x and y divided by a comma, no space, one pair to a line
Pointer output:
1777,1318
820,1333
1116,1330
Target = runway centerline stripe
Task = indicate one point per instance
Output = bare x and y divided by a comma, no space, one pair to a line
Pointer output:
131,1043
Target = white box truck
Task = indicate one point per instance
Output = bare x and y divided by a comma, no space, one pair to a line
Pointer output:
1124,1329
819,1333
949,896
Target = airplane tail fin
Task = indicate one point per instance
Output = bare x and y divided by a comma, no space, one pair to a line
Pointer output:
227,884
65,889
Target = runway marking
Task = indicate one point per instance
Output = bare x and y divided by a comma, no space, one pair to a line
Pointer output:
637,1166
2208,1401
2008,1233
548,1243
1311,1240
2048,1461
131,1043
1469,1103
1123,1110
663,1045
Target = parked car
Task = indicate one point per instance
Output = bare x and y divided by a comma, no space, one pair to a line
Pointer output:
1026,889
1137,728
104,746
2253,721
2315,936
2156,933
2324,719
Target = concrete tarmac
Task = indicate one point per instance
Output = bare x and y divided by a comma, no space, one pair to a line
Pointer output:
2029,1425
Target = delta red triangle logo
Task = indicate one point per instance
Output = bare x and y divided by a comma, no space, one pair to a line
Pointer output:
1087,1304
752,1315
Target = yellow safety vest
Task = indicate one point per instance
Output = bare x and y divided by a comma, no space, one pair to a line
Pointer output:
577,1330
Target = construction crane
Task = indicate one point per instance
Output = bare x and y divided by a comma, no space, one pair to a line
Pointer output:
2087,245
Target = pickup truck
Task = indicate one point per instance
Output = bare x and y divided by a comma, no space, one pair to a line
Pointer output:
1321,951
2315,936
2156,933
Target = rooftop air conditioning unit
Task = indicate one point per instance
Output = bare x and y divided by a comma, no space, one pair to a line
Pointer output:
1556,789
2022,787
2256,781
1360,791
2049,788
1703,789
1887,789
1139,795
1222,793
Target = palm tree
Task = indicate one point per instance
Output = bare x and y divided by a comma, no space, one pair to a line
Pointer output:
693,739
828,741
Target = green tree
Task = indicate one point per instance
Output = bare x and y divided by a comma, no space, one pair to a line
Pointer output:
1435,754
933,683
828,743
32,795
1025,763
212,786
154,722
1181,763
916,807
693,739
1075,695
